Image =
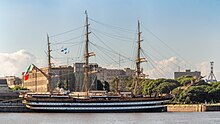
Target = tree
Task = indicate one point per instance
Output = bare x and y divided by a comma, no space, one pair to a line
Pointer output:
166,87
99,85
15,88
106,86
158,86
65,85
59,84
195,94
185,80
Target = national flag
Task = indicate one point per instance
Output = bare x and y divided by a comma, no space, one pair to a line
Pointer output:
26,74
65,50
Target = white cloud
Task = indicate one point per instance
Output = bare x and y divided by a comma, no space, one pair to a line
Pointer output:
164,68
16,63
160,69
167,67
204,67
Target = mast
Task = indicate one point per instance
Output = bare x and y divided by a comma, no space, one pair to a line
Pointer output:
117,81
86,56
138,60
49,63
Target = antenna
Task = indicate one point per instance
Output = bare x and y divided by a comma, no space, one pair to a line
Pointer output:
211,77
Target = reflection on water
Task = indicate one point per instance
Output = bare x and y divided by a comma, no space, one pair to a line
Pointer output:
110,118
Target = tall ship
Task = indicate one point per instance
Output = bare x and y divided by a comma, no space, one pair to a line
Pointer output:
95,101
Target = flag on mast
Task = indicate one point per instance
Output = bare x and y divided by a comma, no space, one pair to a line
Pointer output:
26,74
65,50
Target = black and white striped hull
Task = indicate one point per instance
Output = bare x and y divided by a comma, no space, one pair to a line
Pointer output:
100,106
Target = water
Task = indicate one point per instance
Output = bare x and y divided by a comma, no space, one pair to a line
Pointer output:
111,118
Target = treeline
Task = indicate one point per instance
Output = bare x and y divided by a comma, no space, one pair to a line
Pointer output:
186,89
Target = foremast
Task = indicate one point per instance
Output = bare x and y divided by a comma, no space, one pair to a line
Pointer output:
139,60
86,57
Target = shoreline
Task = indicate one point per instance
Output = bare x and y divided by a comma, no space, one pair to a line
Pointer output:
192,107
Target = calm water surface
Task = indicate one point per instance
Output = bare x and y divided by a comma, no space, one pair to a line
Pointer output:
110,118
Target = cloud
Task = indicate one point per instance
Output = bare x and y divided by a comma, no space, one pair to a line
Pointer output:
167,67
164,68
13,64
204,67
158,69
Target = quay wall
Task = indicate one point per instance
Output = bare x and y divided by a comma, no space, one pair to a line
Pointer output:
193,107
186,108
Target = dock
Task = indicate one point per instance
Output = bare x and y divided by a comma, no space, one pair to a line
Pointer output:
193,107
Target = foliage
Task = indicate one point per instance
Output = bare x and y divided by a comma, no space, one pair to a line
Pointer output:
125,84
185,80
18,88
65,86
99,85
62,84
185,89
103,86
59,84
106,86
199,93
158,86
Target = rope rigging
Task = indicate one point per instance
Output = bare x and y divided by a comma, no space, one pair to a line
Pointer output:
113,27
106,52
67,32
164,43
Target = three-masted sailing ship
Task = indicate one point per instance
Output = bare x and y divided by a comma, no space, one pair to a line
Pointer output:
90,101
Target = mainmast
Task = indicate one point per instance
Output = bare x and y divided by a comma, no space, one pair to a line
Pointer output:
49,63
138,60
86,56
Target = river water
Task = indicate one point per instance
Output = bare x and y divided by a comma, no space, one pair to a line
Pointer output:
111,118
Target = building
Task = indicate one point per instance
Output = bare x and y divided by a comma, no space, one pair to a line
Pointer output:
3,85
79,76
38,80
73,76
104,74
98,73
196,74
13,81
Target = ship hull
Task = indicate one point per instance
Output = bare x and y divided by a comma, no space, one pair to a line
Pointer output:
96,105
143,110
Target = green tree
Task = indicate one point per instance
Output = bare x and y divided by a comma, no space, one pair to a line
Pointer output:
99,85
15,88
65,85
185,80
194,94
106,86
59,84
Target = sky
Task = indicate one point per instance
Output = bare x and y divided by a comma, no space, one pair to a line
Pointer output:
176,34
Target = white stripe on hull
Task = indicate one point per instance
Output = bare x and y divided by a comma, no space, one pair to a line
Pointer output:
98,104
96,108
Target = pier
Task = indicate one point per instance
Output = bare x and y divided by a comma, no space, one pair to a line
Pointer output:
193,107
